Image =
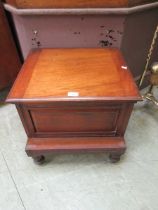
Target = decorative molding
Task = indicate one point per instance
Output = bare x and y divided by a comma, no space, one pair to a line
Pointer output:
83,11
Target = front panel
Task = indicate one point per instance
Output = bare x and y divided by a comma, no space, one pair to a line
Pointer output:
69,120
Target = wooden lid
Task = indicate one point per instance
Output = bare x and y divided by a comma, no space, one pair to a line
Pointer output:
74,74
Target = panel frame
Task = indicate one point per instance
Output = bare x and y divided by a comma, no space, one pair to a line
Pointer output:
123,111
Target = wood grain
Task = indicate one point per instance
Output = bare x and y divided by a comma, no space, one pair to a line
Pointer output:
84,120
25,73
67,3
95,120
77,3
50,74
37,146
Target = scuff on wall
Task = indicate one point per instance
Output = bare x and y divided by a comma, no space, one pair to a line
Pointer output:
110,36
35,39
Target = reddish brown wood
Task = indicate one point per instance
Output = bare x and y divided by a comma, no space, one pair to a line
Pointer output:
96,119
76,3
85,119
91,120
9,59
47,145
67,3
25,75
96,74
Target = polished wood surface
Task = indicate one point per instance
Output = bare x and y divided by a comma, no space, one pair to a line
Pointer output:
47,145
76,3
55,120
9,59
50,74
67,3
94,120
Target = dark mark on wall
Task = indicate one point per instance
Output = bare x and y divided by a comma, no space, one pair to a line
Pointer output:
120,32
76,33
35,40
105,43
110,37
38,44
110,31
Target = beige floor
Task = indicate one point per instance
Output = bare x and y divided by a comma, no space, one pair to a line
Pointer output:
81,181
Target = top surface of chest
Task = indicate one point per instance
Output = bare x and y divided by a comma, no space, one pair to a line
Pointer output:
72,74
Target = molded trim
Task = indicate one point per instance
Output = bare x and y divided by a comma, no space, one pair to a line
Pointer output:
83,11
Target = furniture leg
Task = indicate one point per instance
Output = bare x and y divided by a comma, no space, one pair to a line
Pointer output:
115,156
39,159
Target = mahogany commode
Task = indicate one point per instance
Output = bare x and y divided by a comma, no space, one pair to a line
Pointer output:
74,100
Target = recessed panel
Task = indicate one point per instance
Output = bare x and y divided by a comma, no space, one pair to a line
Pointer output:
73,121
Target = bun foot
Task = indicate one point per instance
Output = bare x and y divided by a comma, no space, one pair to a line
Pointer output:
114,157
39,159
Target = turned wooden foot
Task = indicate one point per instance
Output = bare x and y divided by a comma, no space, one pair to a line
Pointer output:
114,157
39,159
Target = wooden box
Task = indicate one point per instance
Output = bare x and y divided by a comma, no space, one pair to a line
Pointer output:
74,100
